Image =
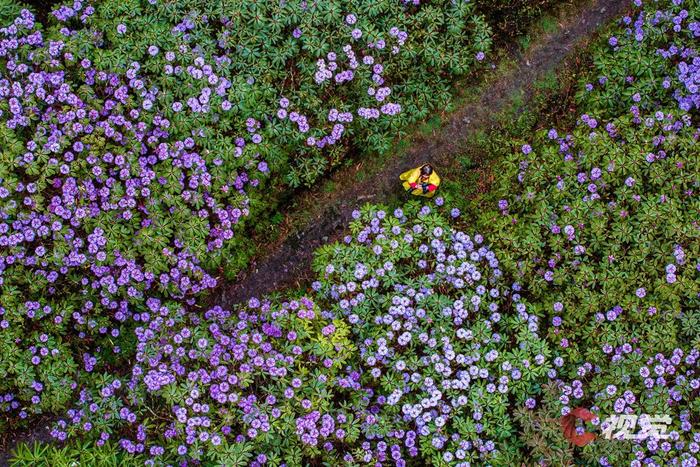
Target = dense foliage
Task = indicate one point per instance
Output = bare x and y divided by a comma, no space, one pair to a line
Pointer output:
226,387
345,67
421,342
602,238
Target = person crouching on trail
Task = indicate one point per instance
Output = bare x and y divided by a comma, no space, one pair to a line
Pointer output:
421,181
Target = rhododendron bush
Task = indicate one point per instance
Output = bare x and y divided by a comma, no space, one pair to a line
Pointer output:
601,234
379,65
264,384
604,237
653,58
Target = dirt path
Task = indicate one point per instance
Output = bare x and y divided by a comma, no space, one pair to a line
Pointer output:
288,262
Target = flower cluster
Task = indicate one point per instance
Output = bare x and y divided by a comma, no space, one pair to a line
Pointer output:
660,44
650,386
333,71
598,228
225,380
100,205
583,202
131,150
442,344
134,136
442,341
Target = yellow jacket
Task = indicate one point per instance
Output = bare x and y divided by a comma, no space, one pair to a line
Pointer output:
425,187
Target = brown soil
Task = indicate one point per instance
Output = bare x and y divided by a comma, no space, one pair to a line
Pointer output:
40,433
287,261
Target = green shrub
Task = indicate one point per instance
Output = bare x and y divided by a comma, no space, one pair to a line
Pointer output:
448,347
409,310
593,225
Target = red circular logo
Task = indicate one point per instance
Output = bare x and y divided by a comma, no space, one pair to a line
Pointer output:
568,426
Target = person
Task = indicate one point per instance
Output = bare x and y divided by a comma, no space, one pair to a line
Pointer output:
421,181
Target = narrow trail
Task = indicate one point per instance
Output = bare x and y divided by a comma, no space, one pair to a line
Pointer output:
288,263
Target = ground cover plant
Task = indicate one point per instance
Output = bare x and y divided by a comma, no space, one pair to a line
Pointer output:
607,261
422,341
